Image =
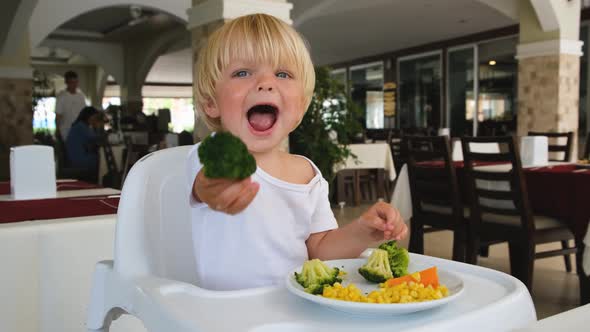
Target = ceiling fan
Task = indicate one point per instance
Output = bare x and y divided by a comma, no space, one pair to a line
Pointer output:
137,15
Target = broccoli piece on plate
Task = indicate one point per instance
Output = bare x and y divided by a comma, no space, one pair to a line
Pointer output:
377,268
399,259
315,274
224,155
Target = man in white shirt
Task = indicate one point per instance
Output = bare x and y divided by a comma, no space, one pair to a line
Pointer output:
68,105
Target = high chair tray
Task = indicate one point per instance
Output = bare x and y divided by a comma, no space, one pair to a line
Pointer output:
490,301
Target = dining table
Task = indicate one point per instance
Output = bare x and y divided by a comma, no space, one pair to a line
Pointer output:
372,156
557,189
48,250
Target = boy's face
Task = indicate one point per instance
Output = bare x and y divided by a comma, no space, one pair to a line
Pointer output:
259,104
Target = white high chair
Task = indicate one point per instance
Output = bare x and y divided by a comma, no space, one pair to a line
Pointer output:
153,247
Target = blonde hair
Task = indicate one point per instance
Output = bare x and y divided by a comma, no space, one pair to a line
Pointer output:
253,38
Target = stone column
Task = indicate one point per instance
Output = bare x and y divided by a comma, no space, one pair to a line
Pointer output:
16,110
549,69
207,15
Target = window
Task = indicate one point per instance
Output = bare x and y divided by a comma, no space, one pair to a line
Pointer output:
44,115
367,91
182,116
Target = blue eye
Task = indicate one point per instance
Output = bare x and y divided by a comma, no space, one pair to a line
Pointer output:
283,74
241,73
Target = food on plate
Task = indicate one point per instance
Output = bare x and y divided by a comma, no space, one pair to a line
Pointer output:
584,161
377,268
315,275
416,287
224,155
399,259
406,292
428,277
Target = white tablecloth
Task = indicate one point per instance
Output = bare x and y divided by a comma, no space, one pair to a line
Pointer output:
76,193
47,269
571,320
402,200
377,155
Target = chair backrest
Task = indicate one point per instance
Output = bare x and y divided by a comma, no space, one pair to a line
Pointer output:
496,181
432,174
587,147
555,146
153,235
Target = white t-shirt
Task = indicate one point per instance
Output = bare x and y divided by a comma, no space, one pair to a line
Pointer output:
68,106
258,246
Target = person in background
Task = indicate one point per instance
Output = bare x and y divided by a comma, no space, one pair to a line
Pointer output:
82,139
68,104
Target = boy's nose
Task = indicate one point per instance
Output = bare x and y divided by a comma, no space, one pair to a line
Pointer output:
265,87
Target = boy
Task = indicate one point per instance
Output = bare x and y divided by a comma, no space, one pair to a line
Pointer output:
255,79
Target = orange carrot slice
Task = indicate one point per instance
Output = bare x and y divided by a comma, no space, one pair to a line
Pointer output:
425,277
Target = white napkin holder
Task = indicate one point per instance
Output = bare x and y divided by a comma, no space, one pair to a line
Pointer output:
534,151
32,172
444,132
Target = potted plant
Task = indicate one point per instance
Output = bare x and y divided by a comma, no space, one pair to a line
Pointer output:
328,125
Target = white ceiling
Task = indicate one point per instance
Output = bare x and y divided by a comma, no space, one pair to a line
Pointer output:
347,29
344,30
175,67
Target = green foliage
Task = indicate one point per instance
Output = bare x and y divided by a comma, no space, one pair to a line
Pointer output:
315,275
399,259
377,268
224,155
330,111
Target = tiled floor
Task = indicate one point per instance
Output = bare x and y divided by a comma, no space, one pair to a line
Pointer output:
554,290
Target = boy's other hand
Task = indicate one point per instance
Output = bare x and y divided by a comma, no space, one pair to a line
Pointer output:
383,222
225,195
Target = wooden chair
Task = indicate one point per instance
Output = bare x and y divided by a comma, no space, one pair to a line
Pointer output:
112,178
501,212
436,199
587,148
554,147
397,148
345,192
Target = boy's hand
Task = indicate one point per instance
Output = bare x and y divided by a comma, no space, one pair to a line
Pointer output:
383,222
225,195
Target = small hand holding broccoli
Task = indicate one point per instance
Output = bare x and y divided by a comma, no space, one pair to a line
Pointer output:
224,155
389,261
315,274
377,268
399,259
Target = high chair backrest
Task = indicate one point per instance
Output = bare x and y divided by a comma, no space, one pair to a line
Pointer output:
153,233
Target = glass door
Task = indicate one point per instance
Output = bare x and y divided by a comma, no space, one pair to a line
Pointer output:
498,87
419,82
462,90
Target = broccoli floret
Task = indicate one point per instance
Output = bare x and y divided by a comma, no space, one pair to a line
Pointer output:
315,275
224,155
377,268
399,259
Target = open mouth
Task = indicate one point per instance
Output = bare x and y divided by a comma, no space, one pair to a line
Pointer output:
262,117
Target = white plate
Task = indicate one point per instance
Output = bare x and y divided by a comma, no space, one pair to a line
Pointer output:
351,266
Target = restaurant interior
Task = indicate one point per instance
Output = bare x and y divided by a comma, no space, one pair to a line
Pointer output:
468,117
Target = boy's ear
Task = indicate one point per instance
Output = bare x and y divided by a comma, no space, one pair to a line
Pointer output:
211,108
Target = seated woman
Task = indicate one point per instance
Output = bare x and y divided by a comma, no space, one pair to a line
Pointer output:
81,143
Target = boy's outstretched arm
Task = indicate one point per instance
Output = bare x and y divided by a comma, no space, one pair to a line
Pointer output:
380,222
